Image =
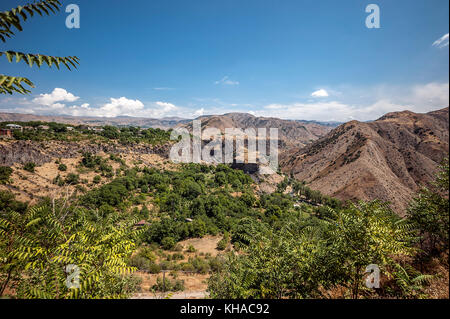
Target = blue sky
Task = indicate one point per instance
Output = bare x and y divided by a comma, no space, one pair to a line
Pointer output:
290,59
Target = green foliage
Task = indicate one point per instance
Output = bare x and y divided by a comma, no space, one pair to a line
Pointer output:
72,179
8,203
410,283
130,135
223,243
191,249
29,167
167,285
97,179
300,258
168,243
46,239
13,19
429,212
62,167
5,174
90,161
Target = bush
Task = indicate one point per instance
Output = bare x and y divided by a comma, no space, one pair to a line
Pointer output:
187,267
97,179
222,244
177,256
62,167
200,265
29,167
191,249
167,285
72,179
5,174
168,243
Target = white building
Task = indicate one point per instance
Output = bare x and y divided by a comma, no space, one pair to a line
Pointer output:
14,127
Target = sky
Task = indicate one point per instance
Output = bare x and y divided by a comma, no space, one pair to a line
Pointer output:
292,59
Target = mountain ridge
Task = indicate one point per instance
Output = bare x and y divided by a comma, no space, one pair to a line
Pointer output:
388,159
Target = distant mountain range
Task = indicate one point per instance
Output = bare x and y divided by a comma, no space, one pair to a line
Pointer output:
163,123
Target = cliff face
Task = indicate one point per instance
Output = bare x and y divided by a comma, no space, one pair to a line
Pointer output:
21,152
388,159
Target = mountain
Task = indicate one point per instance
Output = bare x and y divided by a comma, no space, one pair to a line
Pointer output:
163,123
387,159
291,133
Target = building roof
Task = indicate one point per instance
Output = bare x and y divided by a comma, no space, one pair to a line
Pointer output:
13,126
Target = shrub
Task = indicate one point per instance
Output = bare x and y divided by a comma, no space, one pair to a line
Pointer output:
167,285
97,179
5,174
29,167
187,267
168,243
144,189
72,179
62,167
222,244
177,256
191,249
200,265
154,268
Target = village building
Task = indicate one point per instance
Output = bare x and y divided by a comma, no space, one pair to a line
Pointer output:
44,127
14,127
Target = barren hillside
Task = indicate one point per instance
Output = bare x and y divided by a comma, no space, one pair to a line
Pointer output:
291,133
387,159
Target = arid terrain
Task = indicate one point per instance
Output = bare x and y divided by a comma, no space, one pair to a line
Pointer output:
387,159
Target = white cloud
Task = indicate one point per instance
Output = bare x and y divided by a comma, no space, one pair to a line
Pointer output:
226,81
441,42
360,103
431,94
58,95
320,93
59,102
199,112
418,98
121,106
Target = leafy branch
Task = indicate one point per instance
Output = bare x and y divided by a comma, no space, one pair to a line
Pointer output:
11,18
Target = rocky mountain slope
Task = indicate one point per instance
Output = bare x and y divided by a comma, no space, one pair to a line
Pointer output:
386,159
22,152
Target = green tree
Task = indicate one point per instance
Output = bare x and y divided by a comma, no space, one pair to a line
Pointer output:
5,174
29,167
36,248
368,233
11,21
429,212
